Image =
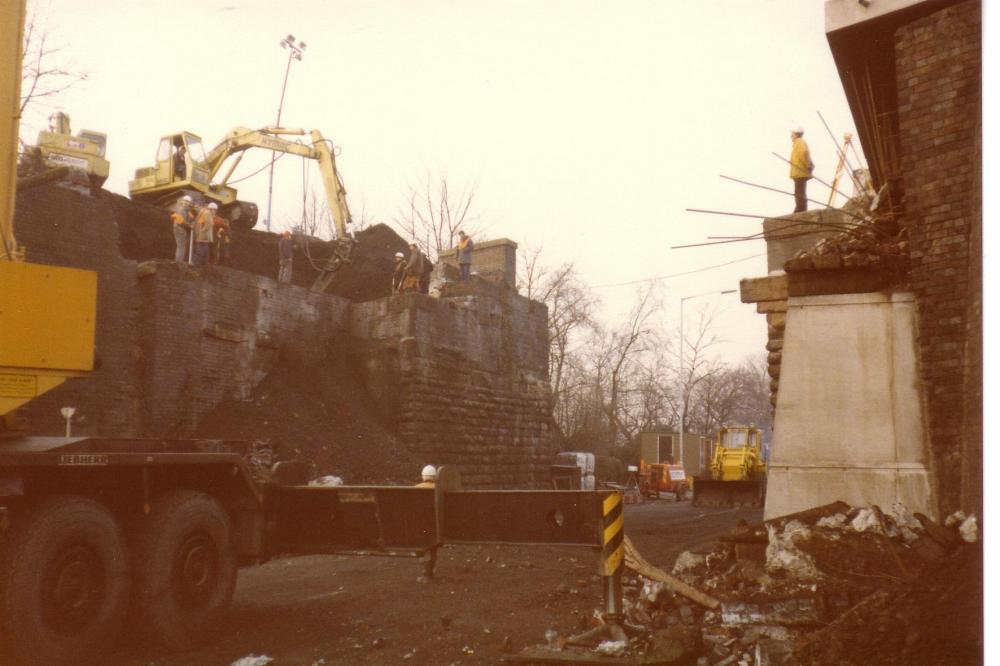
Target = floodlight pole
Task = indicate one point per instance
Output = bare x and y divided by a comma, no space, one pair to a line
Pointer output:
294,53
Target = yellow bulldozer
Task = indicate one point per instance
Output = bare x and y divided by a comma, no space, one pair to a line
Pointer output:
737,474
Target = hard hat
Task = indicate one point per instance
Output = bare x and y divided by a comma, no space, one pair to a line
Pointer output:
400,255
798,129
186,198
213,206
428,473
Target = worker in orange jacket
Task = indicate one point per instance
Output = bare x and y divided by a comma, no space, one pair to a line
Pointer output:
182,218
203,226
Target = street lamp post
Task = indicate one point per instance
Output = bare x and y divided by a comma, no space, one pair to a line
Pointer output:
680,354
294,53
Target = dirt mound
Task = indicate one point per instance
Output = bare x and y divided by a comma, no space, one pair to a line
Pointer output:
144,233
313,407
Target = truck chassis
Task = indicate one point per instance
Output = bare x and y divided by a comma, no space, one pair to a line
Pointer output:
97,535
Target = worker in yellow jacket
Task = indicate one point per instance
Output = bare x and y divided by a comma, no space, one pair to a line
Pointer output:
801,167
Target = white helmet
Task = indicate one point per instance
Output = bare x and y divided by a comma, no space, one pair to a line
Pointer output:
797,129
213,206
400,255
186,198
428,473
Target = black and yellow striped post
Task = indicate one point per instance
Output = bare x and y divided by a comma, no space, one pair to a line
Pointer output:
613,553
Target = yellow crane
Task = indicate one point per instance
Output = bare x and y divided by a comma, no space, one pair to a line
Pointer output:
47,313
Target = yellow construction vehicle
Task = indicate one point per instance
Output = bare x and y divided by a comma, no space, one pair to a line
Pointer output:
738,473
47,313
83,154
183,167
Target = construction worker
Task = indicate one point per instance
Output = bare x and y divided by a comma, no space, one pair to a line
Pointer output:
182,217
428,479
286,252
464,256
801,167
180,164
220,227
203,226
414,270
398,273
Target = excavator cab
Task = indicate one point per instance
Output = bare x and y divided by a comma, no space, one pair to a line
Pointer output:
181,167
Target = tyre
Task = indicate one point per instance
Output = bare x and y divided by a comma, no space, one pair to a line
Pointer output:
65,588
185,569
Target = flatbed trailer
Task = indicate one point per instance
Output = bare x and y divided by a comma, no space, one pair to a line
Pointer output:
98,535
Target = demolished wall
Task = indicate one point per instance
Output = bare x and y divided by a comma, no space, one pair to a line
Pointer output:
223,352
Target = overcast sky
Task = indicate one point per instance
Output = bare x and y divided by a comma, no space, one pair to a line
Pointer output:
586,128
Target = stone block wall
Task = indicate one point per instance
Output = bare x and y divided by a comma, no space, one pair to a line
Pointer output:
493,260
463,377
467,380
939,74
213,334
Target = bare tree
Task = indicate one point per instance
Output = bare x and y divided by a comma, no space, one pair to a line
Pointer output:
571,314
618,365
317,219
43,75
433,214
699,366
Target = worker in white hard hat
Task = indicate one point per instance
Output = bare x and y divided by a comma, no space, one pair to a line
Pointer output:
801,167
203,238
428,476
398,273
182,218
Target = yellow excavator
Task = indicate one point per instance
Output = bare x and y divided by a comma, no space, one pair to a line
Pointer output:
47,313
737,474
182,167
83,154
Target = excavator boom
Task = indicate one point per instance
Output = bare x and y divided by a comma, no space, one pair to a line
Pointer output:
168,179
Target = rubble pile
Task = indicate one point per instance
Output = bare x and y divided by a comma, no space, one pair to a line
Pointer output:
858,248
831,585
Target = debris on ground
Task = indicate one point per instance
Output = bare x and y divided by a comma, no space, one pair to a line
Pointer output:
831,585
253,660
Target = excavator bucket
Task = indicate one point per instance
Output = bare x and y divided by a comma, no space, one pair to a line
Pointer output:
712,492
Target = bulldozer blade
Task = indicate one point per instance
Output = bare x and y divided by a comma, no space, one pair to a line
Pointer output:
711,492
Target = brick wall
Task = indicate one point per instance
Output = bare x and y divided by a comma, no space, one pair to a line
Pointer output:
466,379
938,68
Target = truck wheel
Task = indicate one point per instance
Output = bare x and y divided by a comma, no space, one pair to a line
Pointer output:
65,583
185,569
